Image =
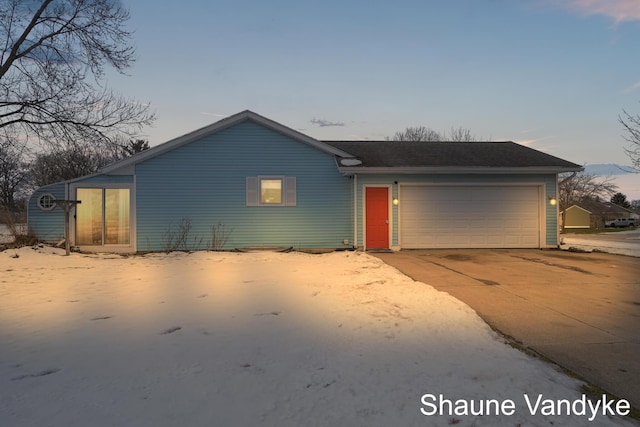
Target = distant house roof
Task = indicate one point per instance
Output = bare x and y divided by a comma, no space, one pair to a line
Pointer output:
449,156
601,208
579,207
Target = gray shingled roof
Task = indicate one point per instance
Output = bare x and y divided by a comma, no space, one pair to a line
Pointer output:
382,154
598,207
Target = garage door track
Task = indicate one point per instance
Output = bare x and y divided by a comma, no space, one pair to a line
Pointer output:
580,310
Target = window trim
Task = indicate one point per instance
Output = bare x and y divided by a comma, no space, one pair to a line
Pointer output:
288,190
112,247
104,219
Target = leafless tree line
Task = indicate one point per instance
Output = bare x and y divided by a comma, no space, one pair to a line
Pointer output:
424,133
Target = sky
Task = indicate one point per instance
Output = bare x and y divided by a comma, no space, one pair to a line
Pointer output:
551,74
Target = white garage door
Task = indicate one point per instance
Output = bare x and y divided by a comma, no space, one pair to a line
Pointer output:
469,216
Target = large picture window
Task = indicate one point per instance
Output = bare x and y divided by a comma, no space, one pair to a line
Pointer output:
102,217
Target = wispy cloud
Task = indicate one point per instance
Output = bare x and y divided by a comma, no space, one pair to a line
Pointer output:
204,113
618,10
632,87
324,123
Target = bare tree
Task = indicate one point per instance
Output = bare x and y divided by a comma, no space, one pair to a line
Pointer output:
419,133
461,134
53,54
423,133
632,125
575,187
72,162
14,173
79,159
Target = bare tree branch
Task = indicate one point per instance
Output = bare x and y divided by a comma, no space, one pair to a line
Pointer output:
632,125
51,65
461,134
425,134
574,187
14,171
419,133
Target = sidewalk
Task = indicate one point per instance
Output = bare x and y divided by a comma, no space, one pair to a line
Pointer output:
621,243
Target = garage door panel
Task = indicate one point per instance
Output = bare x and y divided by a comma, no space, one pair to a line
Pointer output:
469,216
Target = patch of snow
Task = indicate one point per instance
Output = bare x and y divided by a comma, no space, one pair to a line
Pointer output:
267,339
350,162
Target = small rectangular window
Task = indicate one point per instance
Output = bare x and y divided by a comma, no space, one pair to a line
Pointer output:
271,191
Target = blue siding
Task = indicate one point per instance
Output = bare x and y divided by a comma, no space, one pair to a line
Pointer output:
107,179
549,182
47,225
205,181
553,228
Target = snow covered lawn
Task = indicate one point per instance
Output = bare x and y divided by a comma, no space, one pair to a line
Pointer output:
254,339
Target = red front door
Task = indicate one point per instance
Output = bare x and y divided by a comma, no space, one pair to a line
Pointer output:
377,217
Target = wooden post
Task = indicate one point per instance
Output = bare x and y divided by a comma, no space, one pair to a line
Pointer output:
66,206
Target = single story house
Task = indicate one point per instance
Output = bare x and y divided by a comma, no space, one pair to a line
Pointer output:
576,217
592,213
266,184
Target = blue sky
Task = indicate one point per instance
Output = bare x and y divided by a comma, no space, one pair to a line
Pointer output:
551,74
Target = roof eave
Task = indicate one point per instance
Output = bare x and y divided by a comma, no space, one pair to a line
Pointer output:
444,170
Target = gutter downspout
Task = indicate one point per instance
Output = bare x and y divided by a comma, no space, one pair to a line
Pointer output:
355,211
556,212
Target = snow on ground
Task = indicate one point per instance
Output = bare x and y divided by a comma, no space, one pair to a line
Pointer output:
620,242
250,339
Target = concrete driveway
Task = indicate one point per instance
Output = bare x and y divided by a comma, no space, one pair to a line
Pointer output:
580,310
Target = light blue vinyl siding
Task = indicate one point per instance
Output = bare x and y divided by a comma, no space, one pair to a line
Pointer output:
553,228
205,181
548,180
107,179
48,226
